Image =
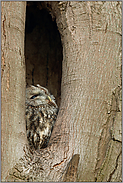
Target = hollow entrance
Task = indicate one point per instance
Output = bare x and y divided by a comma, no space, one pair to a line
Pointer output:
43,50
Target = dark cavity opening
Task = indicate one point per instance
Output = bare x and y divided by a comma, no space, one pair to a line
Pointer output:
43,50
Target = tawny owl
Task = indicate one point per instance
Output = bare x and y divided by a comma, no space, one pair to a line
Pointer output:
41,113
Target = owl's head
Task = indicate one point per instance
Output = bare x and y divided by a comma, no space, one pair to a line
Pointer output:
38,95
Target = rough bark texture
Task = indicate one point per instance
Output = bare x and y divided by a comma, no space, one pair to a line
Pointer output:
12,82
87,132
91,74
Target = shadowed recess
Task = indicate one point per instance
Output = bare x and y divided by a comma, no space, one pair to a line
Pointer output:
43,50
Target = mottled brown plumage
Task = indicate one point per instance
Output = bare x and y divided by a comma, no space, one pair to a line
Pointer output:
41,113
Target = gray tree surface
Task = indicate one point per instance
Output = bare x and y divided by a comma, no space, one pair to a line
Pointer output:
13,84
86,141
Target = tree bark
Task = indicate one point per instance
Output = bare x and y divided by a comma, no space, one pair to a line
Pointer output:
87,132
13,84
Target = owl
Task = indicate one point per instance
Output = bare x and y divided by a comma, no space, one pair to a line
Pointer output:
41,113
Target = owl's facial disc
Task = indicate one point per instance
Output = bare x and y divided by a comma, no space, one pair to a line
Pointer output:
40,96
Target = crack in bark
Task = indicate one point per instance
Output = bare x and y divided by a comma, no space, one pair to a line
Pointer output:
116,140
111,174
3,58
104,138
4,27
106,134
3,64
58,164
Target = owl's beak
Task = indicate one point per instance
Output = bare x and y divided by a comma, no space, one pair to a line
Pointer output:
49,98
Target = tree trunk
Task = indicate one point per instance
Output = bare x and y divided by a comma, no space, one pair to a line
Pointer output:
86,141
13,84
